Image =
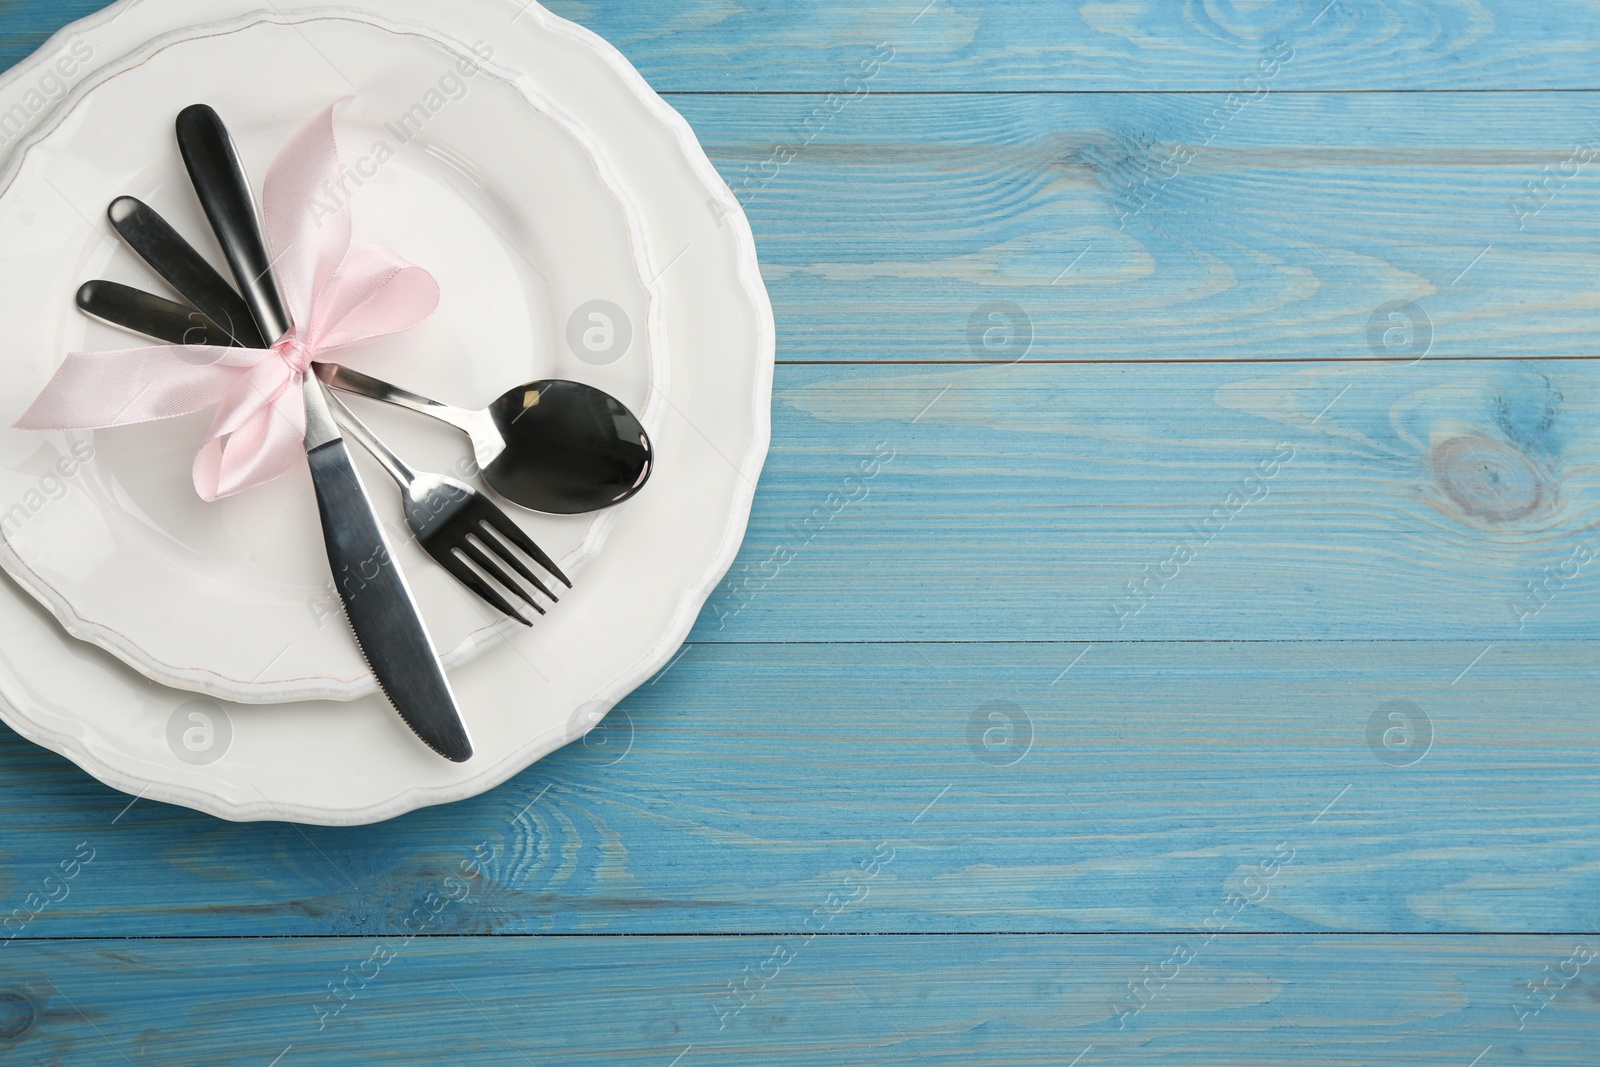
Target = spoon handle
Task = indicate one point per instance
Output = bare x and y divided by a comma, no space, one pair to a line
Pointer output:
354,427
185,269
154,316
353,381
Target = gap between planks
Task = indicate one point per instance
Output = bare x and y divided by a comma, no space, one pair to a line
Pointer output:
683,935
1112,92
1152,362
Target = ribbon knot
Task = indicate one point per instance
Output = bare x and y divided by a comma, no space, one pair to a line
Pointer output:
338,297
296,353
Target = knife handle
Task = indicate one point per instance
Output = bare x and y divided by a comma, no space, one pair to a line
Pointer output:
184,268
224,191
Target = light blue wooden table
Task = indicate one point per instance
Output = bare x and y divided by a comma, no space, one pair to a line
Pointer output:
1205,676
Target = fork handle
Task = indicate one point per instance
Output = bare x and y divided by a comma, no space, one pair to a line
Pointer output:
397,468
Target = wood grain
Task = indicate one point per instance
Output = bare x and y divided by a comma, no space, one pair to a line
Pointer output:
1101,45
909,1001
1169,227
1032,46
1348,501
1181,518
1032,787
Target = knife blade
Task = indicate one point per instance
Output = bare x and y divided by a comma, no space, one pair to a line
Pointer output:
377,599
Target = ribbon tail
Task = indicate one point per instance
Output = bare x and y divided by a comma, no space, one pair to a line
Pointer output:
96,390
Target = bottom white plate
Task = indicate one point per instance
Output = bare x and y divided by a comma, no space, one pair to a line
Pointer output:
353,762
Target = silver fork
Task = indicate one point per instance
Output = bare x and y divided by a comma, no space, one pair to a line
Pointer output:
460,527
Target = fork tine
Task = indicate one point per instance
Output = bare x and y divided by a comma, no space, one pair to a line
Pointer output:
486,535
504,525
493,564
468,577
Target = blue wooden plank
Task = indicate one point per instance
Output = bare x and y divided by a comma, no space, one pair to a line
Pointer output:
1346,501
911,1001
1168,227
26,24
1116,45
1048,46
1397,786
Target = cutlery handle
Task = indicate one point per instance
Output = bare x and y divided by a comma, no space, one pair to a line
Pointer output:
353,381
224,191
184,268
354,427
154,316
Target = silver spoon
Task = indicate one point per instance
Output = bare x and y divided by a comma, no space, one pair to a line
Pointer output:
554,446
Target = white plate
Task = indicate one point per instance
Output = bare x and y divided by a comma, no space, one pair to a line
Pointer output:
355,762
513,209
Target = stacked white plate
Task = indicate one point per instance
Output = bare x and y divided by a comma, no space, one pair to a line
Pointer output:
195,653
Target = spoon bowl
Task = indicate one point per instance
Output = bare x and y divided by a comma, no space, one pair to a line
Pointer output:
556,446
569,448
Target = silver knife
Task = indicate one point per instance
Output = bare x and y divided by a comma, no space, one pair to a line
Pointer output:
377,600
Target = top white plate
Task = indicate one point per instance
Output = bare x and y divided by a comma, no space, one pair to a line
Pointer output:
512,207
355,762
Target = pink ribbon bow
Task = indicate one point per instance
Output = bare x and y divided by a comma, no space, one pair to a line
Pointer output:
338,298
